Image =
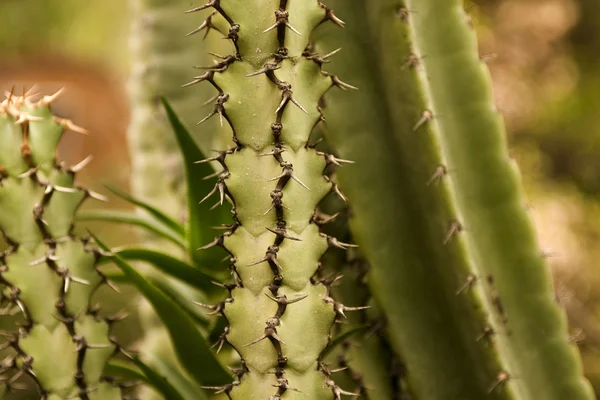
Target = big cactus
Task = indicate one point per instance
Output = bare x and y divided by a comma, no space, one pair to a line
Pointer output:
268,98
47,273
455,264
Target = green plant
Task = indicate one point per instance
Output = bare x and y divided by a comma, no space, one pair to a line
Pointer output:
48,274
455,281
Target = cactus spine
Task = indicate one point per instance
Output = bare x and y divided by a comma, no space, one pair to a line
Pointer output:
471,287
48,274
268,94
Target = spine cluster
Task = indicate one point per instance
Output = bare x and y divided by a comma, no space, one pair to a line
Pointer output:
279,312
48,274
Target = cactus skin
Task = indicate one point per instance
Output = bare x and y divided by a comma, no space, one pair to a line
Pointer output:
269,91
48,275
436,172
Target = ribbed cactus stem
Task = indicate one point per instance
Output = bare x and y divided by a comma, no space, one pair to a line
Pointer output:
455,263
268,94
48,274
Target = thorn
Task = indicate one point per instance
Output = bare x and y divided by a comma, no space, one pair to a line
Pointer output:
330,16
286,97
283,233
471,279
333,242
267,68
337,82
437,176
216,309
454,228
218,241
501,379
427,115
46,100
211,3
207,24
81,165
68,124
97,196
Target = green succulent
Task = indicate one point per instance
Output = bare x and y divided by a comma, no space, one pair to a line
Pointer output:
448,295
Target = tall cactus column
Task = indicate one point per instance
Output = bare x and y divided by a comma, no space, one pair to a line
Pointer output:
268,94
455,263
48,274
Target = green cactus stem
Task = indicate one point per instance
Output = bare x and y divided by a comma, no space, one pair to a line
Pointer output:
48,275
268,95
455,263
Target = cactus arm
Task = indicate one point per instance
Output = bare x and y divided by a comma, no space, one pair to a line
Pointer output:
419,201
486,185
48,273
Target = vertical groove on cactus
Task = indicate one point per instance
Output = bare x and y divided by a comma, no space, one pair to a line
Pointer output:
48,275
268,95
455,266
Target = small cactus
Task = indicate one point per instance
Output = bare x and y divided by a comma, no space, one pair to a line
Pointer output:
47,273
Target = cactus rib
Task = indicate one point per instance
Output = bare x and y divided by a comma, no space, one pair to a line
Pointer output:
48,274
268,96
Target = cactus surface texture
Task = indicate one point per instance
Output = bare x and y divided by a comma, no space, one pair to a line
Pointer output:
48,275
455,264
268,94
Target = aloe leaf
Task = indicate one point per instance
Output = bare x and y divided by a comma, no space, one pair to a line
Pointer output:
191,347
129,218
174,267
201,217
155,212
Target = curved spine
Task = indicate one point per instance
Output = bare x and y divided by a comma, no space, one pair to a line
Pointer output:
48,274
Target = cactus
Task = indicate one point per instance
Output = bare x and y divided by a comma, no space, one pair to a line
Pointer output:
456,281
47,273
455,264
268,94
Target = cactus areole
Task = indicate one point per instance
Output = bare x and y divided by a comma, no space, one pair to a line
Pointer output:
268,102
47,274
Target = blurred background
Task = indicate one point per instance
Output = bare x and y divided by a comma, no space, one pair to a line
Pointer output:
544,56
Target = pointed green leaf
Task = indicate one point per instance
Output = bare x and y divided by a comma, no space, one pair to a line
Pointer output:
201,217
129,218
158,382
154,212
173,267
191,347
188,389
120,369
